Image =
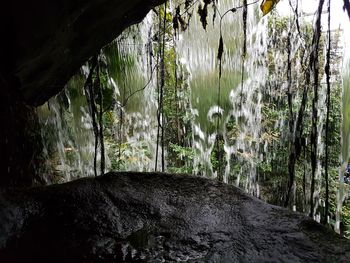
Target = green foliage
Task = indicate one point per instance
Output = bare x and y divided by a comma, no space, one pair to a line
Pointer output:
276,109
185,156
175,102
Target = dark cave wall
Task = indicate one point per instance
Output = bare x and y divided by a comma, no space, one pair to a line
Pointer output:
50,40
44,44
19,141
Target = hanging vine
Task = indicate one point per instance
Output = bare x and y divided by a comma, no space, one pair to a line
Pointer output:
328,102
100,118
315,69
94,112
298,140
158,91
244,48
292,152
161,84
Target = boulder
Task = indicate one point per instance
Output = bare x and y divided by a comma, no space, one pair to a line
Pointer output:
154,217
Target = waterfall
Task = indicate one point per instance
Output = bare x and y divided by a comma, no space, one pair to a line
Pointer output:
240,103
136,105
238,125
343,191
67,135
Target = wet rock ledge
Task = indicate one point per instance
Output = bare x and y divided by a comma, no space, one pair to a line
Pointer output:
153,217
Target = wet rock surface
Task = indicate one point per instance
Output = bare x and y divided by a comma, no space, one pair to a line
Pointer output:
150,217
